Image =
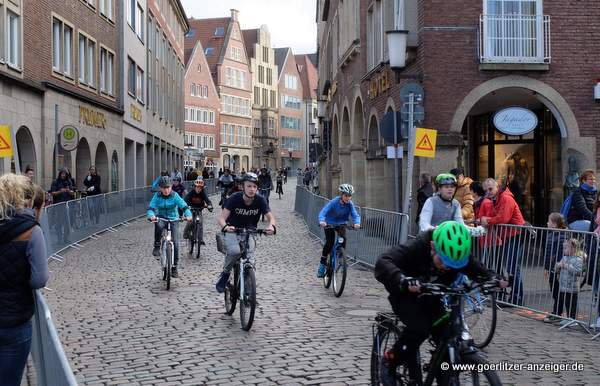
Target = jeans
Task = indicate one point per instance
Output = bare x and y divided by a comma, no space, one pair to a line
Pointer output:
265,193
513,257
232,244
15,344
158,229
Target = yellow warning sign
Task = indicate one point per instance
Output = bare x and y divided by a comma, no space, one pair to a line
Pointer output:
425,142
6,149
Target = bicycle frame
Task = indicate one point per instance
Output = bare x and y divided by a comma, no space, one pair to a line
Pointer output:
167,239
243,262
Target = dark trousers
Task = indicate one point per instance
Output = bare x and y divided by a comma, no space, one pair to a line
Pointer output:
330,240
158,229
15,344
568,301
553,281
279,188
513,259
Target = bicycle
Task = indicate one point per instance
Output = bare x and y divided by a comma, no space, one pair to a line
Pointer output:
167,250
449,348
336,265
244,283
480,315
197,230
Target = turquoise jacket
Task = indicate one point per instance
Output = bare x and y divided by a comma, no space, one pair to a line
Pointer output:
167,206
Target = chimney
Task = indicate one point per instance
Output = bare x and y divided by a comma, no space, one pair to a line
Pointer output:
234,14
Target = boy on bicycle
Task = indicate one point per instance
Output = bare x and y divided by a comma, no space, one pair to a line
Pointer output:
242,210
166,204
197,199
436,256
336,212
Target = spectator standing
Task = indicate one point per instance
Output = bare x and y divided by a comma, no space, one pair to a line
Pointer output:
507,212
315,181
483,207
29,173
307,177
553,253
582,202
23,268
205,174
463,194
92,184
424,192
570,268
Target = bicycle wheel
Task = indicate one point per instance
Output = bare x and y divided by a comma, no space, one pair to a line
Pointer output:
339,274
328,274
231,292
480,314
198,238
248,299
168,266
474,377
385,336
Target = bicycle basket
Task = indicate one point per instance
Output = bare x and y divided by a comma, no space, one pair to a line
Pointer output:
220,243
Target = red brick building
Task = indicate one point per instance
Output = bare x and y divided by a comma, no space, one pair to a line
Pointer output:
474,60
202,118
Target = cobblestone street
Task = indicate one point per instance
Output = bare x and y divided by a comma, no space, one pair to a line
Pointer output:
119,325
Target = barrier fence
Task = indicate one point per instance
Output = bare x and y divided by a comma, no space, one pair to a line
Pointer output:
65,225
527,255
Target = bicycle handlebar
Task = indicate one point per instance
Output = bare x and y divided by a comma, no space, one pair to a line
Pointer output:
252,231
167,220
344,226
442,289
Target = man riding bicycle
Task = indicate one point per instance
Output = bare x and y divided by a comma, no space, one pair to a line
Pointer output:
265,183
197,199
436,256
242,210
336,212
225,183
166,204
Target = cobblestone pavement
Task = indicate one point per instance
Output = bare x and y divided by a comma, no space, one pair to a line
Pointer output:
120,326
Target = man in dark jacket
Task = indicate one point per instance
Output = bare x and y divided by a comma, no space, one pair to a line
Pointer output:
62,190
424,192
434,256
582,202
265,183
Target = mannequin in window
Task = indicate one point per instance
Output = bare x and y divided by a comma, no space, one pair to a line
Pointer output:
572,178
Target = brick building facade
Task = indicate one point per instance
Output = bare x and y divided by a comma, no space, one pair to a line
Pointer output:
474,60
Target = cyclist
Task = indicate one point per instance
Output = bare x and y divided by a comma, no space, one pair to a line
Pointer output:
197,199
225,183
166,204
236,187
242,210
265,183
434,256
336,212
441,206
178,187
155,188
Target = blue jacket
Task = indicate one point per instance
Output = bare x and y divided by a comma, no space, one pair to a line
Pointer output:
336,213
166,207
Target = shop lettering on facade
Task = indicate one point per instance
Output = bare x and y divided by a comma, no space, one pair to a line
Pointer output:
136,113
92,118
379,84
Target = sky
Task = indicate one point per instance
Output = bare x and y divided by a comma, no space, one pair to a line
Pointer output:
290,22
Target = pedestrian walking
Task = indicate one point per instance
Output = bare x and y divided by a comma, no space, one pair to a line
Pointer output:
23,269
570,269
553,253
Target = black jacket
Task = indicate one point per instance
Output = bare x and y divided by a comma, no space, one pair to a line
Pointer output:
16,294
265,182
197,200
582,205
413,259
95,182
59,184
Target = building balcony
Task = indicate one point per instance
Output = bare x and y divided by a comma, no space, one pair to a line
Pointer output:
522,41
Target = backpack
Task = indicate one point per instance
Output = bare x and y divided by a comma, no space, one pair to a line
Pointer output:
566,205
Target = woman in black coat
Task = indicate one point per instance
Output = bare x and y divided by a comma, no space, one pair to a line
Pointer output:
581,211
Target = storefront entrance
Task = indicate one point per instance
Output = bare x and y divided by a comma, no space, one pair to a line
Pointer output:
529,164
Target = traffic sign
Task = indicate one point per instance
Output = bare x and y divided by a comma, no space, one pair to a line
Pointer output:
411,88
418,113
425,142
6,149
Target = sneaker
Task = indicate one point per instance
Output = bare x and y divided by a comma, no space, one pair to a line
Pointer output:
202,243
156,252
174,272
551,319
222,282
321,270
596,325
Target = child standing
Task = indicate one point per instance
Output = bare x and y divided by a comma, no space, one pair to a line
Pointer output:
554,253
570,268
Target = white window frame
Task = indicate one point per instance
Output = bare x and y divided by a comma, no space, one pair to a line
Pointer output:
88,63
14,40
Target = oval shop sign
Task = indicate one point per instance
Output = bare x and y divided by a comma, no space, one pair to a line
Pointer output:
515,121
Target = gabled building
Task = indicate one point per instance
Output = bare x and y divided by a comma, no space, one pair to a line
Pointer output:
202,118
265,119
225,53
309,78
292,127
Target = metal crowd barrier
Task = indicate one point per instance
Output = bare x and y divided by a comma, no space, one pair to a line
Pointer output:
527,255
51,364
380,229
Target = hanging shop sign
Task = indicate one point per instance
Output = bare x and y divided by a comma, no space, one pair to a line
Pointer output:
92,117
69,137
515,121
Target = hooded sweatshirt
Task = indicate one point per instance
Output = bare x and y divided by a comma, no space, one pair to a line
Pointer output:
23,267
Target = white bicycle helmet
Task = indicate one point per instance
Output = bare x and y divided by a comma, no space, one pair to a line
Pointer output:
346,189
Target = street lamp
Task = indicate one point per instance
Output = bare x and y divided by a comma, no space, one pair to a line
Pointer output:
397,48
321,108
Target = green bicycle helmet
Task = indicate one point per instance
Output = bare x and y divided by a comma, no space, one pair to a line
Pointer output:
445,179
452,242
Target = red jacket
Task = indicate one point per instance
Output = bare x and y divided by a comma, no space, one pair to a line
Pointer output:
485,208
507,212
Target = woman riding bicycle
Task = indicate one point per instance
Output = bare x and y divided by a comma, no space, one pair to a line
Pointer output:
166,204
434,256
336,212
